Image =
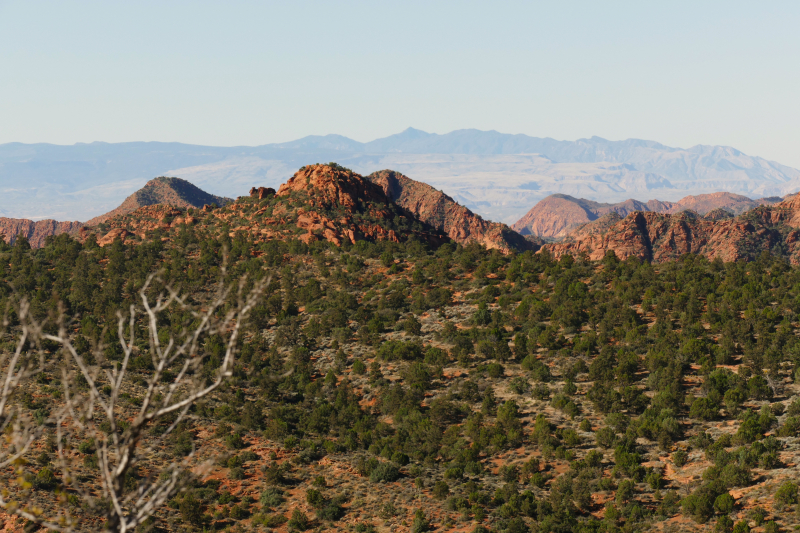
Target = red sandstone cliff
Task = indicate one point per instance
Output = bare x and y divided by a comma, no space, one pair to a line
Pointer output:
445,214
35,232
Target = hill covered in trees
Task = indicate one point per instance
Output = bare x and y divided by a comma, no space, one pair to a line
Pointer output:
392,378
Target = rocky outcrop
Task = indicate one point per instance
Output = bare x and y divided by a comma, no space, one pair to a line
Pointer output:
261,192
341,204
445,214
168,191
558,215
139,224
36,232
660,237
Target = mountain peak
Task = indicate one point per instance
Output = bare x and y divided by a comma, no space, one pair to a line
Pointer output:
163,190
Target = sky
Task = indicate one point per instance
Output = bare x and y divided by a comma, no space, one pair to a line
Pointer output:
250,73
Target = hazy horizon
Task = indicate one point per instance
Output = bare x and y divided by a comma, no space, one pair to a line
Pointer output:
254,73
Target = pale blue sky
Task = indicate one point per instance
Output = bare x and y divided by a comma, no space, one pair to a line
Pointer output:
235,72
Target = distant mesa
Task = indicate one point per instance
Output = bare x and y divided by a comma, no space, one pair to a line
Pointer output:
557,215
163,190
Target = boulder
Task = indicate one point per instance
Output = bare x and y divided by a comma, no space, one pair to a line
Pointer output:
262,192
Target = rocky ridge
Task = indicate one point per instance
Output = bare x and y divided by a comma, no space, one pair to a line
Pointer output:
318,203
559,214
443,213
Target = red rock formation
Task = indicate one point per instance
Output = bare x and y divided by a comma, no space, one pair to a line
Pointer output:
325,202
114,234
660,237
36,232
334,194
443,213
558,215
261,192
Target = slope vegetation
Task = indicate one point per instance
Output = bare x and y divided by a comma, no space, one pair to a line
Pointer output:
390,386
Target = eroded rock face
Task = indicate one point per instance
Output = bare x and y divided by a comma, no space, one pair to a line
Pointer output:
445,214
344,205
559,215
661,237
36,232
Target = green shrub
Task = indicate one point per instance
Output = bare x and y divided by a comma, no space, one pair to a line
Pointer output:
191,510
787,493
386,472
271,497
704,409
234,441
440,490
741,527
679,458
724,525
724,503
699,505
239,512
299,521
420,523
315,499
249,456
45,479
359,368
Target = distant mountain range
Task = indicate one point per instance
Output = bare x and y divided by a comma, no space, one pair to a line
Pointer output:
498,176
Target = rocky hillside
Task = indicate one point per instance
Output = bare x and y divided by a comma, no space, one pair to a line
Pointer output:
443,213
36,232
318,203
660,237
388,386
559,214
170,191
